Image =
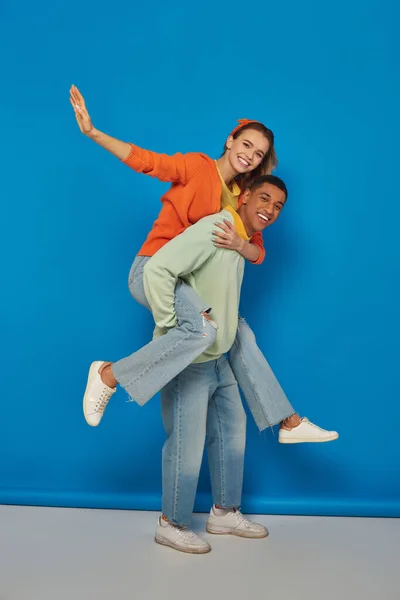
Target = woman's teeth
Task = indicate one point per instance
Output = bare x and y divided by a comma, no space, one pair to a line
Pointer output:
243,162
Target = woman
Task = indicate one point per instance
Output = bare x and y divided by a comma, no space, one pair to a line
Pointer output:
200,186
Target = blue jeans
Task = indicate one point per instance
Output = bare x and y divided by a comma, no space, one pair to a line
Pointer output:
147,371
202,405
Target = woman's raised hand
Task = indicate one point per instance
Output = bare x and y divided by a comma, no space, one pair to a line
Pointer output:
82,116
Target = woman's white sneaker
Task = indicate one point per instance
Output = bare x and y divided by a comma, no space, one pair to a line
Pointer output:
306,432
180,538
234,523
96,396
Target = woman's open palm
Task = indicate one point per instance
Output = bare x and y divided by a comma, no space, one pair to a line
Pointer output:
82,116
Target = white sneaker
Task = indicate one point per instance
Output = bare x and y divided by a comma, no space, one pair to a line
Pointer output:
96,396
180,538
306,432
234,523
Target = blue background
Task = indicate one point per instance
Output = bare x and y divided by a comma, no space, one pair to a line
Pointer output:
175,77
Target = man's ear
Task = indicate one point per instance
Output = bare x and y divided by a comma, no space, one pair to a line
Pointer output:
229,142
245,196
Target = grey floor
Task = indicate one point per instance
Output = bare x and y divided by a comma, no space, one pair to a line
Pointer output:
71,554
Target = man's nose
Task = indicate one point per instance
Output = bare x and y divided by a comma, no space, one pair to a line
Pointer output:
269,208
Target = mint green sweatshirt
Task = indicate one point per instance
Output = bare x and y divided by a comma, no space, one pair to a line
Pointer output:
214,273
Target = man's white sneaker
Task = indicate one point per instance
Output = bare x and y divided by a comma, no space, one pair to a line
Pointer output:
306,432
234,523
96,396
180,538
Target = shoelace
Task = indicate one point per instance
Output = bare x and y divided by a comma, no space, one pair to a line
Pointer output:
103,401
186,534
241,519
305,420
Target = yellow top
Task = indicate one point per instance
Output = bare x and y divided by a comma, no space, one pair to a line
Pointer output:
229,197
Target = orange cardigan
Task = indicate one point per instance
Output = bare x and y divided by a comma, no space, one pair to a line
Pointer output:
195,193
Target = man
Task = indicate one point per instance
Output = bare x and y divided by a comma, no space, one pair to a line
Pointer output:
202,404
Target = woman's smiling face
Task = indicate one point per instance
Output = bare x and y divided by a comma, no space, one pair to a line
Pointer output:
246,152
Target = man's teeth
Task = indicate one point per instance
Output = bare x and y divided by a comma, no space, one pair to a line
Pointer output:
263,217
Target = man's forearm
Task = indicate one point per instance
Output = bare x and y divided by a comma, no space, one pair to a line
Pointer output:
182,255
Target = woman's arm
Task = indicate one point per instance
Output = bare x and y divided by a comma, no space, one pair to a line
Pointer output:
227,237
178,168
256,241
250,252
120,149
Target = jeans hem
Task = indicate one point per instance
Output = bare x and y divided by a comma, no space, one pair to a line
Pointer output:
274,424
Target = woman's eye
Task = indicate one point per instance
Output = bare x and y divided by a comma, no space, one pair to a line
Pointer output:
245,144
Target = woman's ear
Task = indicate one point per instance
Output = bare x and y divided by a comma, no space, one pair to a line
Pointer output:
229,142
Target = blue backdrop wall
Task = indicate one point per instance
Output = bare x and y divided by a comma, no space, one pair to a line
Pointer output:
173,78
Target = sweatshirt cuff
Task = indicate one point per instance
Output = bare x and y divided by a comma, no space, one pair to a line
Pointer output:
134,160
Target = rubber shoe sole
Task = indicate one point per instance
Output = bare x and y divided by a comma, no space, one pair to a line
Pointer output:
93,371
307,440
165,542
218,530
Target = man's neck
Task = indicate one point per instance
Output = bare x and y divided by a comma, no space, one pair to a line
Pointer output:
242,214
